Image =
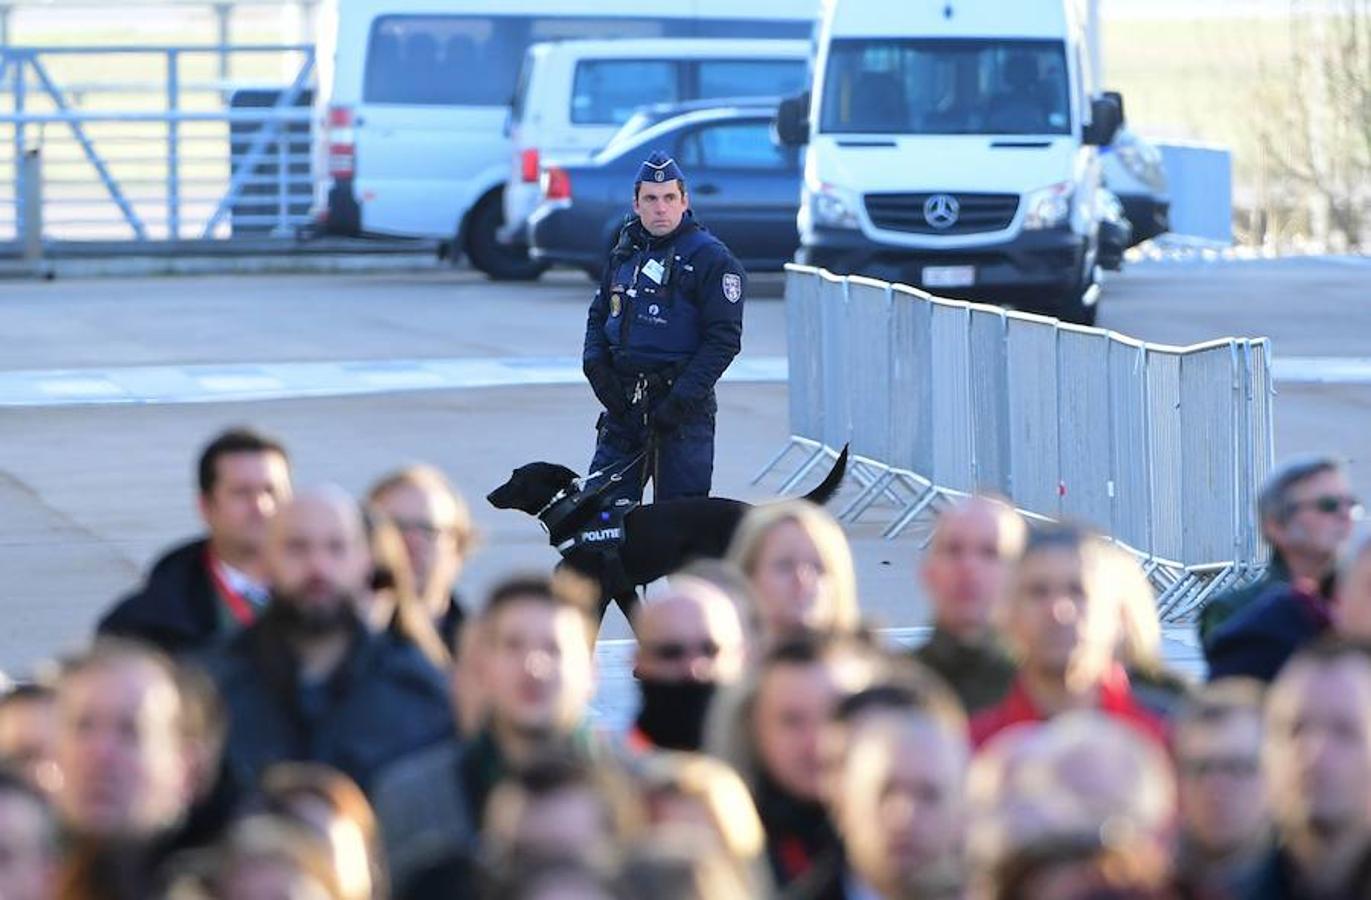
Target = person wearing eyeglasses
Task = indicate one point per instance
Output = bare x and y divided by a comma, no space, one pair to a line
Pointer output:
690,644
1225,820
1306,510
435,522
1308,530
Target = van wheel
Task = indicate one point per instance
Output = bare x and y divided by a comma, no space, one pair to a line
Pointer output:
501,262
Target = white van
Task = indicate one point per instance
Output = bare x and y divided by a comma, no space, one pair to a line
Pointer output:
953,146
572,96
413,98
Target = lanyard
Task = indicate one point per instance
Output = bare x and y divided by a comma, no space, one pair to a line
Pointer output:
238,606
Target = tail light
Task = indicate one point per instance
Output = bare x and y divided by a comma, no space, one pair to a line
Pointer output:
556,184
528,165
342,146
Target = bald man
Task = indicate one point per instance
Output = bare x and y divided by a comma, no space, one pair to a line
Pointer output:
307,681
690,642
964,572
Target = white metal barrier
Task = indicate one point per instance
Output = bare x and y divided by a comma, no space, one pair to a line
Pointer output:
179,152
1163,448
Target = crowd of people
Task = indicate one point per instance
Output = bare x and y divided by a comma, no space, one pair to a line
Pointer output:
300,705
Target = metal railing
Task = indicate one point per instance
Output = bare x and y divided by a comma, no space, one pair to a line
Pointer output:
150,143
1163,448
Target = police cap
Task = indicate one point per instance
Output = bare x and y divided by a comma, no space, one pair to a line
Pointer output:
659,168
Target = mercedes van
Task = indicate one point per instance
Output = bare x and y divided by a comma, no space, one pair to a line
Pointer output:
953,145
414,94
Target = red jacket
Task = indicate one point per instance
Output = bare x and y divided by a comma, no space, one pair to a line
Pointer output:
1116,699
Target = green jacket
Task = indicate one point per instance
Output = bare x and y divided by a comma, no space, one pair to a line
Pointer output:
979,672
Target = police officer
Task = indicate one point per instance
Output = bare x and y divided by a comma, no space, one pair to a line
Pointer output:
664,325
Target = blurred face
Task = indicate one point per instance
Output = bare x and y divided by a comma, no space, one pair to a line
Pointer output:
966,567
1222,799
539,669
567,822
248,488
1318,751
793,589
427,519
125,772
317,561
1059,629
660,207
1321,519
900,810
1352,611
693,636
27,857
792,703
28,737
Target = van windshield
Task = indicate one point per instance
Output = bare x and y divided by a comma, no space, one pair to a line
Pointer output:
462,60
941,86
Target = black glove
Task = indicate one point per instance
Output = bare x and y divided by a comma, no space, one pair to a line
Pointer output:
667,417
607,389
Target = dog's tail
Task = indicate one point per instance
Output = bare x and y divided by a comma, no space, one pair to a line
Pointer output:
832,481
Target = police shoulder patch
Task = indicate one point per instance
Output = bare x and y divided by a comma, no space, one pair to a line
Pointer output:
733,287
615,305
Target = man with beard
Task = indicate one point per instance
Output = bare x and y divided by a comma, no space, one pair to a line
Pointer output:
308,682
537,672
690,643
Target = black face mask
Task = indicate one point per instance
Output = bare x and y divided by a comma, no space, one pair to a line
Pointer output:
673,712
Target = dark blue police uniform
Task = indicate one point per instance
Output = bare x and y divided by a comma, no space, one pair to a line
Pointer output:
664,325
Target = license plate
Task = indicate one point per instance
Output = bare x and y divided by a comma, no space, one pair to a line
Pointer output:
949,276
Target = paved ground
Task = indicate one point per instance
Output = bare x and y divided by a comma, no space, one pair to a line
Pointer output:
91,492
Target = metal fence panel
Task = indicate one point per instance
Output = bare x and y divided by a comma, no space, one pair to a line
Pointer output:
953,448
1130,463
1261,443
989,400
911,381
868,354
837,397
1164,449
1083,424
1209,473
1031,395
804,352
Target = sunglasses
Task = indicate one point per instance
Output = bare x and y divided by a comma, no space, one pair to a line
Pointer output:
675,651
1329,504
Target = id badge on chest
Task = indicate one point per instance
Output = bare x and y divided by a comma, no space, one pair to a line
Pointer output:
654,271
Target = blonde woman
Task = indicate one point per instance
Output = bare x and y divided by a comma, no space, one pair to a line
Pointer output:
799,566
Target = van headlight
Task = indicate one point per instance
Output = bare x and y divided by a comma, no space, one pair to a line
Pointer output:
1049,207
1143,162
831,207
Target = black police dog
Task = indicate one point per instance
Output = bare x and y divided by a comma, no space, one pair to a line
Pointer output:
658,538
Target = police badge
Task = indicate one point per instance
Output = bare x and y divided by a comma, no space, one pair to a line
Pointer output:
616,305
733,287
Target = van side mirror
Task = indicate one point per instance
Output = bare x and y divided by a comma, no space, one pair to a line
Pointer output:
1106,118
792,121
